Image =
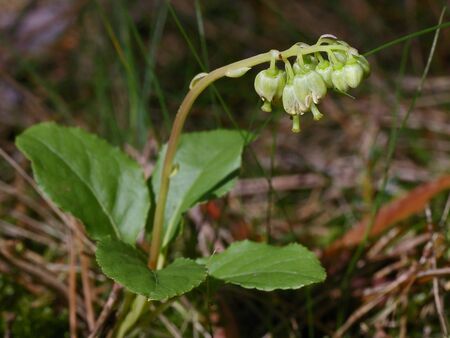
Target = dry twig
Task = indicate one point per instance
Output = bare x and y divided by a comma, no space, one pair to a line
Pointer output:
72,285
107,309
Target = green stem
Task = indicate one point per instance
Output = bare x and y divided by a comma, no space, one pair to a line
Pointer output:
182,114
273,64
300,60
289,71
319,57
333,58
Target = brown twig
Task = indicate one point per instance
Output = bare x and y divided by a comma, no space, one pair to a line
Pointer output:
25,199
107,309
439,307
444,216
371,304
72,285
51,227
255,186
14,231
31,182
434,273
87,289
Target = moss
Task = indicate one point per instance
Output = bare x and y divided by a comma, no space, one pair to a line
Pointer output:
24,316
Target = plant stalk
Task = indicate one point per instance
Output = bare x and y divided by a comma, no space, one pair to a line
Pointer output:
183,112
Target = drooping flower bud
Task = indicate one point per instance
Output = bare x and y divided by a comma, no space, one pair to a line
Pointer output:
269,84
324,69
317,86
353,73
291,103
341,56
298,69
338,78
364,64
309,87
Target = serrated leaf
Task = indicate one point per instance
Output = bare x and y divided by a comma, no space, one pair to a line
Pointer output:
205,164
128,266
89,178
265,267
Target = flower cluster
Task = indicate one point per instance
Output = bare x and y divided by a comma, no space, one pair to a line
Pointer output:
329,64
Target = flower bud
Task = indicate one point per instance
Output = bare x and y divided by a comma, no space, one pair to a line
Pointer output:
338,78
291,103
269,84
325,70
362,61
298,69
309,87
353,73
341,56
317,86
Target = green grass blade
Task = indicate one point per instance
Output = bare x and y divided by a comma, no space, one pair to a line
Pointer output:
408,37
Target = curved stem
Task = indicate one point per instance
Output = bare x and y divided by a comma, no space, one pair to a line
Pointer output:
289,71
300,60
180,119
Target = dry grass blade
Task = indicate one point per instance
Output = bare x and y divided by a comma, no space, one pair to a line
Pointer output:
255,186
33,184
398,210
87,287
72,281
108,307
408,277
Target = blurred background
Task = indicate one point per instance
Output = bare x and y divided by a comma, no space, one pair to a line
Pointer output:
121,68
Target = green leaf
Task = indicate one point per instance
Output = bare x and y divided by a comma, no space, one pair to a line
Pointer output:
127,266
89,178
207,165
265,267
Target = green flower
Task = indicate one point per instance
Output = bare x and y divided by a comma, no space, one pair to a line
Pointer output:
309,87
291,102
353,73
338,78
269,84
341,56
324,69
362,61
330,63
